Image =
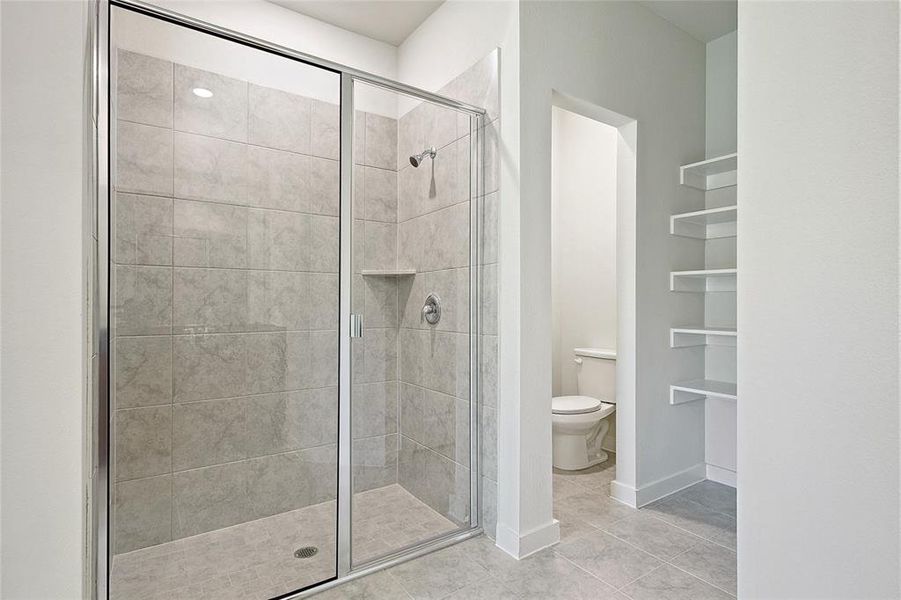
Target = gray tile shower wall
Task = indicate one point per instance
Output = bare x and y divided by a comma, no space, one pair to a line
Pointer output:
433,215
225,303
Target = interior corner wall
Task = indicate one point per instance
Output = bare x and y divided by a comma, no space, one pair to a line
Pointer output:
722,95
818,300
622,57
719,308
42,315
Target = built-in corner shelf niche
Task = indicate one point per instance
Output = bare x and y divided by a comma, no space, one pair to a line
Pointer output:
388,272
706,224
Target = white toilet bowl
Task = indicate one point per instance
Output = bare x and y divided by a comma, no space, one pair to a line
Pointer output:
578,427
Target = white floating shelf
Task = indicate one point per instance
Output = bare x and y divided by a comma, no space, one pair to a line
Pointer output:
388,272
710,174
703,280
686,337
701,389
708,224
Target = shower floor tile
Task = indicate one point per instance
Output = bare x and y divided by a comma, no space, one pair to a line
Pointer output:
255,560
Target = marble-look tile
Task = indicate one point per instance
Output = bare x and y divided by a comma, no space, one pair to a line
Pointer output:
279,240
379,301
436,421
267,362
425,126
324,128
279,300
375,359
279,119
452,286
438,240
488,442
712,563
434,185
381,142
669,583
359,151
488,370
438,574
210,169
410,362
142,304
445,363
143,230
595,508
323,300
477,85
143,159
324,187
209,300
210,498
380,245
380,193
489,507
143,375
144,89
713,495
436,480
223,115
374,462
489,292
143,515
697,519
491,159
547,575
208,433
613,561
278,179
271,426
653,535
284,482
324,245
208,366
378,586
489,238
143,442
374,409
210,235
312,359
315,413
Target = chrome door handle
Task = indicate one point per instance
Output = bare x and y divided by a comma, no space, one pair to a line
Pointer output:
356,326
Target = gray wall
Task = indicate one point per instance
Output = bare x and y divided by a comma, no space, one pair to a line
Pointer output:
818,300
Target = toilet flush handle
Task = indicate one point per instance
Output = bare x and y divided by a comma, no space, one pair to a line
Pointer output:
577,360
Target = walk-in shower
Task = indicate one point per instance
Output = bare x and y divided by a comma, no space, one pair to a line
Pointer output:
282,412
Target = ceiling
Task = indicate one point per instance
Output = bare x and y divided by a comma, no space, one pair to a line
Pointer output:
390,21
704,20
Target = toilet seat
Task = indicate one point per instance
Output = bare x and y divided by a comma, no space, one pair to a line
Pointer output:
574,405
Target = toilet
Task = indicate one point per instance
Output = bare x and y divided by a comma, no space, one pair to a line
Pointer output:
580,422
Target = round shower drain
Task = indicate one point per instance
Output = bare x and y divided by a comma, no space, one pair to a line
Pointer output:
306,552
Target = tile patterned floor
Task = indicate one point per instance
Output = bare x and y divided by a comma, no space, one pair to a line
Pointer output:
255,560
680,548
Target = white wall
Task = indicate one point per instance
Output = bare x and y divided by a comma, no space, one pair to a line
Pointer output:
620,56
583,238
818,300
42,306
719,308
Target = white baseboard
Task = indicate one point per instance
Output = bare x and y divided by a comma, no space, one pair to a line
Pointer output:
623,493
670,485
522,545
721,475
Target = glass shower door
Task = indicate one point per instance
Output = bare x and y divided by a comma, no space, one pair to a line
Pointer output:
411,283
224,249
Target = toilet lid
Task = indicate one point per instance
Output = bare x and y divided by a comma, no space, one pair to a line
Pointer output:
574,405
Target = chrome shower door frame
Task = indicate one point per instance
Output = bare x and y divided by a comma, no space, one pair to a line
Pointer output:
98,119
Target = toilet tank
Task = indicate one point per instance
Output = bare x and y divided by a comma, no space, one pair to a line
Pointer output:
597,373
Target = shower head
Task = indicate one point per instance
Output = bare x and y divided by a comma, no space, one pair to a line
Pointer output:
417,159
